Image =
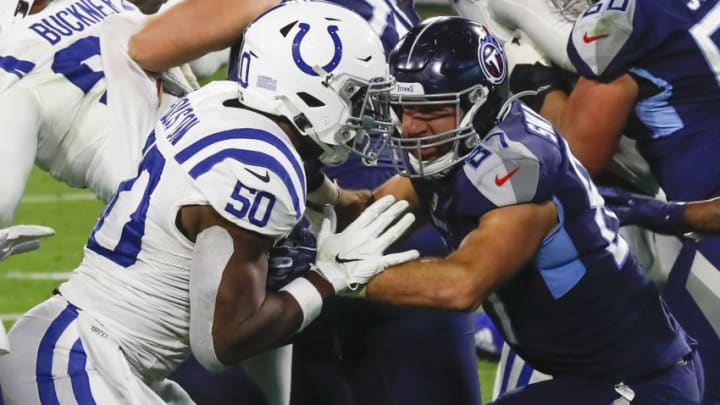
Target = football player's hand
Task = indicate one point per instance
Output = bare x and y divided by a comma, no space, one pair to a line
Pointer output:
21,238
350,204
637,209
291,256
349,259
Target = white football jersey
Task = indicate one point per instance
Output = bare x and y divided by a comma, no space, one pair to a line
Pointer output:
96,106
135,276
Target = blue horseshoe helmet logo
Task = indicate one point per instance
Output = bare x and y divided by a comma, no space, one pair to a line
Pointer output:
300,62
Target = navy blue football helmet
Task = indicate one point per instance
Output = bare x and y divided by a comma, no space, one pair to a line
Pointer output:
447,61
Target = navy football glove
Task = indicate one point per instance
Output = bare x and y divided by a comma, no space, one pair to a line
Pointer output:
291,256
637,209
539,78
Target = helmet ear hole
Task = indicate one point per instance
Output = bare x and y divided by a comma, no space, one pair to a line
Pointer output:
310,100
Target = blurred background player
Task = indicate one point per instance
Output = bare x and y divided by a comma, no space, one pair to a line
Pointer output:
71,101
54,104
690,278
205,264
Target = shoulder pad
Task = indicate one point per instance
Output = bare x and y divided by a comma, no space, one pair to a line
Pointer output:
241,161
505,172
598,38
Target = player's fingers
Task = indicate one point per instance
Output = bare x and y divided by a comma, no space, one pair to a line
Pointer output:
25,247
329,214
399,258
370,213
31,231
387,217
394,233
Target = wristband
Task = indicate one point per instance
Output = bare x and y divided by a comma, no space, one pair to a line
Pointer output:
326,193
673,218
308,298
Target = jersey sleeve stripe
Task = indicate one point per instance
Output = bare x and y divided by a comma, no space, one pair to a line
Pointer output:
254,158
244,133
16,66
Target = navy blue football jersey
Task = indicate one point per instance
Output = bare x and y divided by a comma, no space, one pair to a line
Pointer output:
671,48
583,305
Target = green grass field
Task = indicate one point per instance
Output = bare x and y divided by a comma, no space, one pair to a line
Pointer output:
27,279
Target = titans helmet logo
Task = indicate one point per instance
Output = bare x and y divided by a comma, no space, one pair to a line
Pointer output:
304,66
492,62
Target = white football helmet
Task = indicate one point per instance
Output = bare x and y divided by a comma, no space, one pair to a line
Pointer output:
323,68
13,10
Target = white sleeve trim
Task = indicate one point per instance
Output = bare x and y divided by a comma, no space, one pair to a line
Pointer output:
213,249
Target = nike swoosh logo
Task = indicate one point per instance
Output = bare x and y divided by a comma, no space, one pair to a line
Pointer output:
264,178
587,39
499,181
342,260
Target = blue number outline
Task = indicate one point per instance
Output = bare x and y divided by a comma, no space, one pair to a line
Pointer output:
70,62
250,209
128,247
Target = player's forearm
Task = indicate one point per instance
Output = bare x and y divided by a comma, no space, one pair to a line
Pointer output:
594,117
703,216
273,324
553,106
20,138
437,283
191,29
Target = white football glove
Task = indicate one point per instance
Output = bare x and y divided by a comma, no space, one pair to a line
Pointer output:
21,238
349,259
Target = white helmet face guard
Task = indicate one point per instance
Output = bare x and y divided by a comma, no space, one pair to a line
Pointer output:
369,116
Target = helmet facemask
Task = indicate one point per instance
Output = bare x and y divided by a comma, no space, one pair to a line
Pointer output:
446,61
458,142
368,106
